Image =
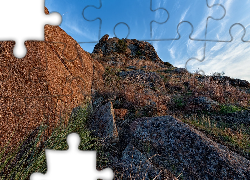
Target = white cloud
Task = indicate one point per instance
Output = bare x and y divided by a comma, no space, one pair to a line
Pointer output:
202,24
233,59
172,52
201,28
217,46
71,26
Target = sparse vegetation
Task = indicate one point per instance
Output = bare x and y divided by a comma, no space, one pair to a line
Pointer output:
178,102
168,64
121,46
34,160
138,53
224,109
237,138
219,74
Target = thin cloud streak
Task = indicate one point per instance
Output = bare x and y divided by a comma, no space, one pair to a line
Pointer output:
233,59
184,14
75,29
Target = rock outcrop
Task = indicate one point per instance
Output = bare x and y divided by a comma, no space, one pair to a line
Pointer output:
103,123
144,90
187,149
130,47
55,76
135,165
126,52
166,148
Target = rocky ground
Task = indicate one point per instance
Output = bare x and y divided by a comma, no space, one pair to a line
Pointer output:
159,121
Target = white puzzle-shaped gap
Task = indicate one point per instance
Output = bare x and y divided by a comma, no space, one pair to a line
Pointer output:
26,20
72,164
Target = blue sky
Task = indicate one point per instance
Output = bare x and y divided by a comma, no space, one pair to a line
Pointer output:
136,19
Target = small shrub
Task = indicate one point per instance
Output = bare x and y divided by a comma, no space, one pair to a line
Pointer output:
224,109
138,53
179,102
121,46
219,74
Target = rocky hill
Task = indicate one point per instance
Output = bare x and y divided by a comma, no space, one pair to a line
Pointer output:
189,125
152,120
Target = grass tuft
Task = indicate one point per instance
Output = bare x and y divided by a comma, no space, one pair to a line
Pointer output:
34,159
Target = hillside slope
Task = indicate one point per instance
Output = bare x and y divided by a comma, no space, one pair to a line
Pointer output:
209,135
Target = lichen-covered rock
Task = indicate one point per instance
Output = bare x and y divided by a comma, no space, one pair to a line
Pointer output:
180,70
187,149
137,166
130,48
233,82
103,123
204,103
55,76
120,113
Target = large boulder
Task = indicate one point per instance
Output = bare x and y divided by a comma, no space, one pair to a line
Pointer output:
189,151
55,76
135,165
103,123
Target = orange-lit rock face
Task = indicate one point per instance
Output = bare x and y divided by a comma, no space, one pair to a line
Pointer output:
54,77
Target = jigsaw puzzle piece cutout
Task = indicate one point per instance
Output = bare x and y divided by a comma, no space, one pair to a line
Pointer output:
27,23
115,18
73,23
72,164
237,11
194,11
232,58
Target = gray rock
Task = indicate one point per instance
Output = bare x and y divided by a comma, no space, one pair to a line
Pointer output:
103,123
131,67
131,48
135,166
140,76
180,70
205,102
187,150
97,102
